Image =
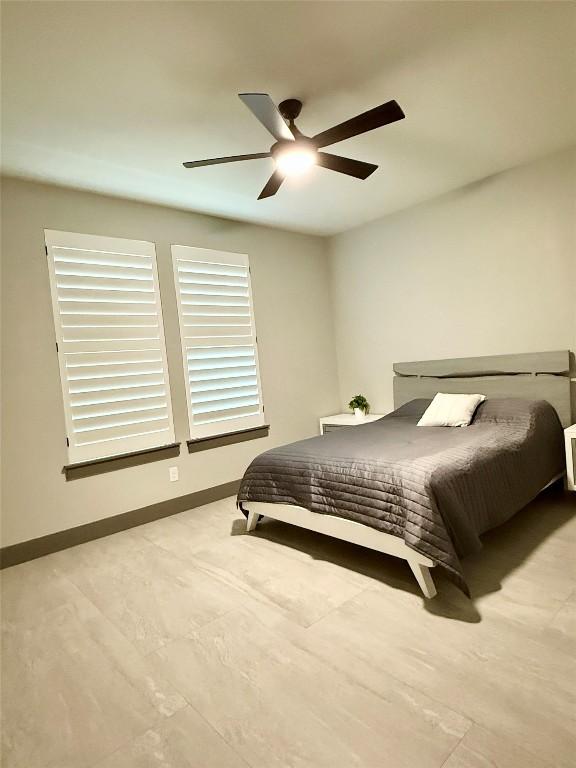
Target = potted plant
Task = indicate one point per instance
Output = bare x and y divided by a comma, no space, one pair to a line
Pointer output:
360,406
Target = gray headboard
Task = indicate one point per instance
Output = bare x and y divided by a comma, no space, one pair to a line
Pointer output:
531,376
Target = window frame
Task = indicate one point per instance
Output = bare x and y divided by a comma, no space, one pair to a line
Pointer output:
120,446
225,427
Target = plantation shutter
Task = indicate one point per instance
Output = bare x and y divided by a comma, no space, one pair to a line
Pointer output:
111,348
218,336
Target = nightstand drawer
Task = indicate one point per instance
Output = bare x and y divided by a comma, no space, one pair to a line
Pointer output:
333,427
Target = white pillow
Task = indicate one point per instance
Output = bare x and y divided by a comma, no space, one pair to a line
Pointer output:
451,410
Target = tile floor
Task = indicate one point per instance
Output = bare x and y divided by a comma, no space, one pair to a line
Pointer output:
186,644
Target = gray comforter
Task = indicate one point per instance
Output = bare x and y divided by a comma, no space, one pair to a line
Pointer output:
438,488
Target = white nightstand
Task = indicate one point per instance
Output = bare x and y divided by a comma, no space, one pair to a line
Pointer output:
339,420
570,443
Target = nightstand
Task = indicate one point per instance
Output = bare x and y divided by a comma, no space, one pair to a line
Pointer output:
340,420
570,443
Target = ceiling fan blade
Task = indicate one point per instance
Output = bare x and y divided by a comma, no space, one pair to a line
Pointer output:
218,160
264,109
356,168
367,121
272,186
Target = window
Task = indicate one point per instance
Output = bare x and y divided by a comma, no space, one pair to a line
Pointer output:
110,341
218,341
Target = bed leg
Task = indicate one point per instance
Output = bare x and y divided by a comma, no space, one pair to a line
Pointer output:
424,579
251,521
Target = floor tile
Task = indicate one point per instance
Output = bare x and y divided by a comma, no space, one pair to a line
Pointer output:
561,631
195,529
149,594
306,589
537,545
481,749
30,590
74,689
278,706
184,740
488,670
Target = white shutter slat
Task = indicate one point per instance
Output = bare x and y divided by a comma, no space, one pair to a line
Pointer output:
211,268
107,308
224,364
110,333
107,321
188,288
211,331
210,310
105,284
86,411
231,382
211,281
229,414
131,419
137,295
212,321
226,302
110,368
119,357
67,271
130,430
85,256
128,345
201,356
109,381
121,394
221,395
218,337
111,347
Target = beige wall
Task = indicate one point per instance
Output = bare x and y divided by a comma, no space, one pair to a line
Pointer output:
489,269
296,346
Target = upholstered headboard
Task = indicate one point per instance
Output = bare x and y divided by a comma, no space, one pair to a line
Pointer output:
531,376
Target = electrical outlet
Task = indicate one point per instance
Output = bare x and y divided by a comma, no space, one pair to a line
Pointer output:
173,472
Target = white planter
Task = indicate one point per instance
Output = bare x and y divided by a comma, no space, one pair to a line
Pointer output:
359,414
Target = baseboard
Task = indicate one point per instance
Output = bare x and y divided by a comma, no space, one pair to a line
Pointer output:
54,542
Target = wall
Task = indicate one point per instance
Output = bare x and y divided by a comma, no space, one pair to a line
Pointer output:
296,347
489,269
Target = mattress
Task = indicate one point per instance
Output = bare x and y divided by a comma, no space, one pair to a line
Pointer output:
437,488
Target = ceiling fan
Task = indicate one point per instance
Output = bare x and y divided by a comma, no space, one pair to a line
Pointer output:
293,152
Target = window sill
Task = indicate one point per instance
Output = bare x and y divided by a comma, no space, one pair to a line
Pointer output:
122,461
227,438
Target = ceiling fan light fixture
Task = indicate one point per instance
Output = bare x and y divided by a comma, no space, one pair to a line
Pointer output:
294,153
295,160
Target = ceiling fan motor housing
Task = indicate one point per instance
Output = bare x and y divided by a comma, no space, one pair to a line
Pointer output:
290,109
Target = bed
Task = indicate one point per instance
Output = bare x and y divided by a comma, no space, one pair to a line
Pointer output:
425,494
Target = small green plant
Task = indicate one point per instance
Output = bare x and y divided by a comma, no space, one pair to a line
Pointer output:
360,402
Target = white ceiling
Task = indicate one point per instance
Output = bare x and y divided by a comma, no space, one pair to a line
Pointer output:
114,96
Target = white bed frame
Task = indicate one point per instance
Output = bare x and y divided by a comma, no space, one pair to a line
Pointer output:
355,533
347,530
541,375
